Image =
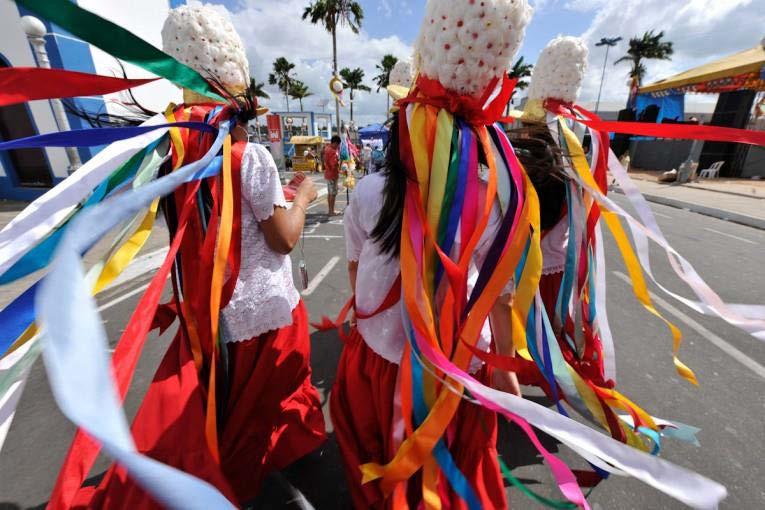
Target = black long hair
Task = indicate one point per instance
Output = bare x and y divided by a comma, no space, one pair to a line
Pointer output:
387,232
544,162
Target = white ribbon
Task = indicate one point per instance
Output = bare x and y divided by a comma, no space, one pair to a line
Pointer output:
14,372
750,318
75,347
46,213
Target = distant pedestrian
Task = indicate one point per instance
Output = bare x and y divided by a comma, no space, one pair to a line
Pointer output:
332,172
366,154
378,158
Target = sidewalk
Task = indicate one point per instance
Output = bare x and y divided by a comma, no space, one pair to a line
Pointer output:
737,200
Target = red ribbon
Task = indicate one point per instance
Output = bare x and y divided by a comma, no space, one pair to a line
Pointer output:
474,111
681,131
22,84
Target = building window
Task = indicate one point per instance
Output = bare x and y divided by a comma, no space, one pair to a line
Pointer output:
29,165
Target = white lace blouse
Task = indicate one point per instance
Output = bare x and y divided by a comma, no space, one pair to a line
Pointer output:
555,247
265,294
377,271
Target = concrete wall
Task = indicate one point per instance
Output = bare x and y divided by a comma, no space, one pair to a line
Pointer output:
142,17
659,154
15,48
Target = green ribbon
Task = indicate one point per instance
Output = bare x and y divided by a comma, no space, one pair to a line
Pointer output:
118,42
551,503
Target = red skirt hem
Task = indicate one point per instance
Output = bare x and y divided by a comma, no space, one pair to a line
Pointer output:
361,408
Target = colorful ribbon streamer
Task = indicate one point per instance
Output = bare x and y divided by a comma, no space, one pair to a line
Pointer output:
22,84
119,43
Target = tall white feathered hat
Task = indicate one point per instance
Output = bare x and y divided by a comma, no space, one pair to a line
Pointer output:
400,79
466,44
203,38
558,74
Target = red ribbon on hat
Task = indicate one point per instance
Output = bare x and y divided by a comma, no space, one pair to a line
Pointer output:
22,84
474,111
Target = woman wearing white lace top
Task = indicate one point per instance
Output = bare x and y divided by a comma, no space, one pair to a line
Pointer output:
228,404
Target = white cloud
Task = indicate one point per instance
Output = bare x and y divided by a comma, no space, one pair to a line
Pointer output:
701,30
274,28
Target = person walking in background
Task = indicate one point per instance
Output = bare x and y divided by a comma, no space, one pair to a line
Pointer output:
378,159
366,154
331,161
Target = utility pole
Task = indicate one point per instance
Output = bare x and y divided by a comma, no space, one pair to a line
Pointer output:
334,70
36,32
608,43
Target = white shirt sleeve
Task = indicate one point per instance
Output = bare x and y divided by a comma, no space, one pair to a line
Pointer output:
261,186
355,235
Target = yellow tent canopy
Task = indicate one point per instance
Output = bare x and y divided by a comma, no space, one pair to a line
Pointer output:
744,62
306,140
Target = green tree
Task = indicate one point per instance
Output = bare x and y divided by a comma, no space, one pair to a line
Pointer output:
258,89
648,47
520,71
299,91
382,80
332,14
282,78
354,80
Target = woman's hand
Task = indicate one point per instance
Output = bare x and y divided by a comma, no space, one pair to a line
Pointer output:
306,191
507,382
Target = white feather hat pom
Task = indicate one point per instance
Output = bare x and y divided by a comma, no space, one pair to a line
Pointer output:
559,71
204,39
465,44
401,74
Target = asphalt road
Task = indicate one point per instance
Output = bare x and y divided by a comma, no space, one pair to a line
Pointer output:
729,406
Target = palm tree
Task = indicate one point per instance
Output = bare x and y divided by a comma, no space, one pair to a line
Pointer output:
354,81
520,71
299,91
332,14
649,46
258,89
382,80
282,78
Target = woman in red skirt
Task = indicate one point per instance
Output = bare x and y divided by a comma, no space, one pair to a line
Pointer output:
230,407
365,400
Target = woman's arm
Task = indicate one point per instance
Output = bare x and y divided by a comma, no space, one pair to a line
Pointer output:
283,229
502,330
353,267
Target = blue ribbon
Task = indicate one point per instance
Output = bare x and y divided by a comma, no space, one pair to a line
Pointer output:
96,137
451,471
16,318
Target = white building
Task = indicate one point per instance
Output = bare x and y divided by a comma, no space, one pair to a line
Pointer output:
25,174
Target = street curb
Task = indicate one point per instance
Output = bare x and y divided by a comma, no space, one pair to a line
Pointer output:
720,214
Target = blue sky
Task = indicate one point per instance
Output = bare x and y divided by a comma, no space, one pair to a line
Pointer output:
702,30
387,17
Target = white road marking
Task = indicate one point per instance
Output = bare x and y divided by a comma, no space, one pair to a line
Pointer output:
320,276
724,346
114,302
729,235
662,215
140,266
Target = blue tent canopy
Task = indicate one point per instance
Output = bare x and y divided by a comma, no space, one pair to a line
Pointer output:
374,132
671,107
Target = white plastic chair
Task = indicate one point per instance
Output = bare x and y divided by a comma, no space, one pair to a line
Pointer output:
713,172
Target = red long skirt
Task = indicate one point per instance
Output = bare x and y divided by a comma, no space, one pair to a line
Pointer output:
361,407
549,287
273,418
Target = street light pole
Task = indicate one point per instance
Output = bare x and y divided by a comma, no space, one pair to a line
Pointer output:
36,32
608,43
